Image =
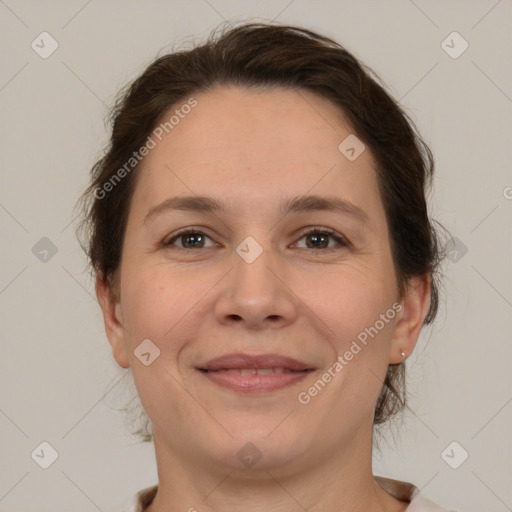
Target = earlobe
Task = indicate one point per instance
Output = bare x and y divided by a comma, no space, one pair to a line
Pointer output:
408,326
113,320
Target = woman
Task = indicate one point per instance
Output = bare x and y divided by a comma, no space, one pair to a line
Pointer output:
264,262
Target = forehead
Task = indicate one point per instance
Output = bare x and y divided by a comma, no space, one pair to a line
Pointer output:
231,118
252,143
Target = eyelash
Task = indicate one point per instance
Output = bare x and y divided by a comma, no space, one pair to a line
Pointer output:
341,240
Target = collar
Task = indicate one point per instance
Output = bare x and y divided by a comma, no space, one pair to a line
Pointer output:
400,490
403,491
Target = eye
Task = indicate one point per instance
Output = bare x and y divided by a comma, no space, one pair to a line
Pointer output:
190,238
318,238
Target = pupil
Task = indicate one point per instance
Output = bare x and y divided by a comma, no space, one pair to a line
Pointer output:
316,238
196,237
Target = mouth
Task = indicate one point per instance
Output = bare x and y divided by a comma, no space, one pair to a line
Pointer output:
255,371
255,374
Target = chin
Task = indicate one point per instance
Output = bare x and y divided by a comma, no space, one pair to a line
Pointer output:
261,446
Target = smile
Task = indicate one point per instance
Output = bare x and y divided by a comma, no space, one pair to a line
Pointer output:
255,380
255,371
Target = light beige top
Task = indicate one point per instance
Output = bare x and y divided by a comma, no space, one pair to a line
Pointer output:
401,490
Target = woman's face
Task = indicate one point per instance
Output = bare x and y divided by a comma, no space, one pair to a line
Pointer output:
250,281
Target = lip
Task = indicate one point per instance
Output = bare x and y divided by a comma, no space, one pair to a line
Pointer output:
243,361
224,371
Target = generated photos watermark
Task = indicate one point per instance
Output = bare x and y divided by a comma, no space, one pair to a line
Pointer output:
304,397
137,156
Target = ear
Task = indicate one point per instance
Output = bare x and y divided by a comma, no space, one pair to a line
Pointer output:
410,319
113,319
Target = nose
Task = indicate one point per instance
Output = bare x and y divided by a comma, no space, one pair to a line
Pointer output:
257,294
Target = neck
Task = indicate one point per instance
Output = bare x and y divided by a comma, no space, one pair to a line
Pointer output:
333,482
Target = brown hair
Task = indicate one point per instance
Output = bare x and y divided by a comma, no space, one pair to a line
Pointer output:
271,55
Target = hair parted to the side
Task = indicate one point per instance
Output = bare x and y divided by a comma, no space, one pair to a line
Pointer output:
270,55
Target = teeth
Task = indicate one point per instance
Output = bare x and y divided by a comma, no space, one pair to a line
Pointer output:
265,371
257,371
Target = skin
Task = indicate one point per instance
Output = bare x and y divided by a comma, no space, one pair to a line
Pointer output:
252,149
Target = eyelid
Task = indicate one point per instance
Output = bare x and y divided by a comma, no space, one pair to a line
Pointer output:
342,240
338,237
166,242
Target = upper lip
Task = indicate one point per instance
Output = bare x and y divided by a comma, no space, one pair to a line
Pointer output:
245,361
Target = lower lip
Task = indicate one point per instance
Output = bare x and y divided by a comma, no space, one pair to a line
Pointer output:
255,383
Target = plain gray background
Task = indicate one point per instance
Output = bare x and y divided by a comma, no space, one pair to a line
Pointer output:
59,381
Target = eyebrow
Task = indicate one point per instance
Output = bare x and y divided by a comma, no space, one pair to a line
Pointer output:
297,204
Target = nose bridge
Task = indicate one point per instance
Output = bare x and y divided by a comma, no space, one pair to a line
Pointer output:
253,267
255,292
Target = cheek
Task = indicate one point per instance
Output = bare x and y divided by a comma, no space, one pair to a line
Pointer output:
166,304
154,302
158,305
349,301
360,315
